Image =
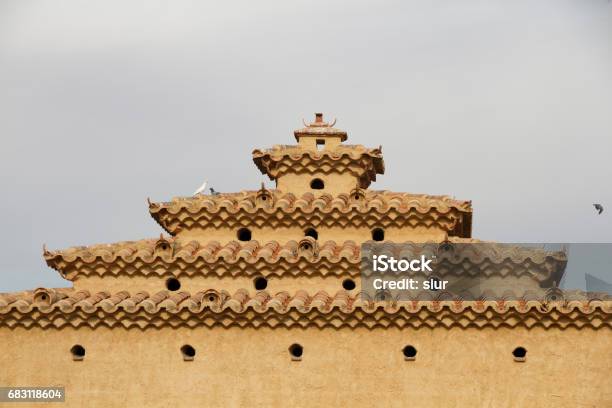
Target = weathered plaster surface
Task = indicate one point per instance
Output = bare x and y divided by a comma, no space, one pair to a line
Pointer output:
250,367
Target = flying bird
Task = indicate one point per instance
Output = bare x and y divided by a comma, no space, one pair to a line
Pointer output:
201,189
213,192
598,208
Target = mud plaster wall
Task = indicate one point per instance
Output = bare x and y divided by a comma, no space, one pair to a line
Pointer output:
360,367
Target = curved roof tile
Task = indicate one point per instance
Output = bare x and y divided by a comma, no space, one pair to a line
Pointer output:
370,208
357,160
146,257
321,309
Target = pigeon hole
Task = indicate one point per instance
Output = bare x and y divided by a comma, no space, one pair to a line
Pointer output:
244,234
378,234
188,352
519,354
311,232
78,352
296,351
260,283
348,284
409,353
173,284
317,184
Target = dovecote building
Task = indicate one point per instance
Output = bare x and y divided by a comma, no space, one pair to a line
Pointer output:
253,299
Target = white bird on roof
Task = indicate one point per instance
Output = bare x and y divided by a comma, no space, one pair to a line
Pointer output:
201,189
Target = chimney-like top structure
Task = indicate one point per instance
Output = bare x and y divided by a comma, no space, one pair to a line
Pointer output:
320,132
320,161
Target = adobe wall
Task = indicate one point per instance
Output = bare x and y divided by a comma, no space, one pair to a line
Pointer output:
264,234
334,183
252,367
194,284
330,284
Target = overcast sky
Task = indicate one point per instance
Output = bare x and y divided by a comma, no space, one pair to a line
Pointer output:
102,104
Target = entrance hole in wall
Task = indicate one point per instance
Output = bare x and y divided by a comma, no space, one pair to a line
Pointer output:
409,353
296,351
317,184
173,284
78,352
348,284
519,354
188,352
244,234
260,283
378,234
311,232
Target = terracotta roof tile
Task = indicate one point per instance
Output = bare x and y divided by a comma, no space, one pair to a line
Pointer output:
193,258
363,208
321,309
360,161
330,258
320,128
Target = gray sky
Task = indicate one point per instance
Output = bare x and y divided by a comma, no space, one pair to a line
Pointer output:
102,104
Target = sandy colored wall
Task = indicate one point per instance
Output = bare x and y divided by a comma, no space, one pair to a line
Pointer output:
331,284
310,142
335,183
283,235
248,367
194,284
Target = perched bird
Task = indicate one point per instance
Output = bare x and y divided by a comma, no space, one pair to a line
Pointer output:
213,192
599,208
201,189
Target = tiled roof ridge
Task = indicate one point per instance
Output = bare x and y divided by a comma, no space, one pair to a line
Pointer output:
320,127
45,308
398,208
287,200
354,151
357,160
330,258
207,259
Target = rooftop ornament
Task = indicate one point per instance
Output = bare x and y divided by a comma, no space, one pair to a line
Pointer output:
163,246
264,197
320,128
319,122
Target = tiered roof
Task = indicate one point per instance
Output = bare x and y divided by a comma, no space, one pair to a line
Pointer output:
320,128
275,209
191,258
167,255
357,160
48,308
170,256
